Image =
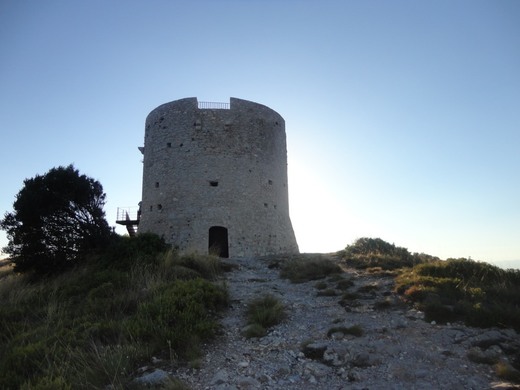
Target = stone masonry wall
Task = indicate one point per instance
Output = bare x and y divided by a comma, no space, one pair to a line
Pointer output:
217,167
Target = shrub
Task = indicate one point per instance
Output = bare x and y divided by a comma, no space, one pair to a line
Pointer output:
207,266
375,253
320,285
477,293
383,304
95,366
179,314
48,383
125,252
350,296
254,330
93,325
344,284
304,270
265,312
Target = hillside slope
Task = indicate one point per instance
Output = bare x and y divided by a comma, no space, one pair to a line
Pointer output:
344,331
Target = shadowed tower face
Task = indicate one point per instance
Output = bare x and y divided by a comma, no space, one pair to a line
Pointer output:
215,178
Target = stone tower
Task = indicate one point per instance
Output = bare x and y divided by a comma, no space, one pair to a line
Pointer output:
215,178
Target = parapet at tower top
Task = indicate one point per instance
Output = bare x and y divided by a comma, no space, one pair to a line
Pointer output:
234,103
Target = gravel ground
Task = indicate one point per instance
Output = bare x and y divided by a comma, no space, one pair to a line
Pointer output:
397,350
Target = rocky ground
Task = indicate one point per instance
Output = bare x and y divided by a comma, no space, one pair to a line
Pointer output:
312,348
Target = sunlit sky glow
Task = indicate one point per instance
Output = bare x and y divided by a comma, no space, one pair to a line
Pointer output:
402,117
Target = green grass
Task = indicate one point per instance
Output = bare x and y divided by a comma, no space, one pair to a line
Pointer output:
477,293
93,326
263,313
254,330
304,269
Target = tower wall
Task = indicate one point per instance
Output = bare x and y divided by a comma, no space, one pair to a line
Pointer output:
207,168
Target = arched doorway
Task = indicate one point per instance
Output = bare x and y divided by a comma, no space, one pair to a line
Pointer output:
218,241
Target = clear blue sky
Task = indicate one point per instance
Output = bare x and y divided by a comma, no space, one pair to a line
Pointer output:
402,117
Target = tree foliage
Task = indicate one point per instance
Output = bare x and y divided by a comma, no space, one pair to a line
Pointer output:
375,252
366,246
57,218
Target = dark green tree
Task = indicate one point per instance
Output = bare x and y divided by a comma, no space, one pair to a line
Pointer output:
57,219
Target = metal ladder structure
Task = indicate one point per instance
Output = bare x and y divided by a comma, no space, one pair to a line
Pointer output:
126,216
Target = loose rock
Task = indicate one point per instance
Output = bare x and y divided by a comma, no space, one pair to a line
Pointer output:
397,349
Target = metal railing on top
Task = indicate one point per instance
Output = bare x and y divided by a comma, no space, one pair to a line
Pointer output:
131,212
214,106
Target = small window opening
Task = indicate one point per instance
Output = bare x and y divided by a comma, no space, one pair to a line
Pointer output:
181,145
151,208
213,183
265,204
270,182
159,207
156,184
169,144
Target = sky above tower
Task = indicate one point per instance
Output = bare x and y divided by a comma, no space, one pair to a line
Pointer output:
402,117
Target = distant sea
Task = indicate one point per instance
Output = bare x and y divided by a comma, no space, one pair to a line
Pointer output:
509,264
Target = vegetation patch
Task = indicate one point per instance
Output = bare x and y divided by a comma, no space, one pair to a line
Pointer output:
374,253
476,355
263,313
321,285
207,266
348,298
254,330
302,269
94,325
6,268
344,284
179,314
477,293
505,371
383,304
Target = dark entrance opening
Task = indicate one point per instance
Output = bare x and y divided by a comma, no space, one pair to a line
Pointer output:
218,241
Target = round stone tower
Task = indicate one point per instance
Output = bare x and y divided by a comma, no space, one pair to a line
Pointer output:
215,178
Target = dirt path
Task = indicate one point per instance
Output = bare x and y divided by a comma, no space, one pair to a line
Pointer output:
397,348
